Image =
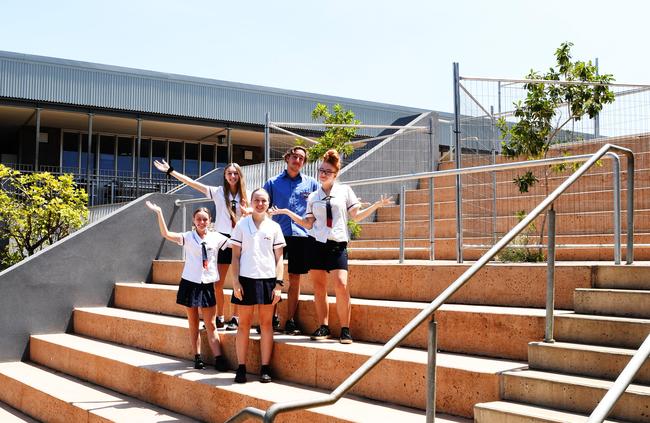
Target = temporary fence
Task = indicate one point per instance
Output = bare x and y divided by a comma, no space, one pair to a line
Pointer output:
491,202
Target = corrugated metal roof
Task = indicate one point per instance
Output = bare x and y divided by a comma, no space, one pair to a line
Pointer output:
38,78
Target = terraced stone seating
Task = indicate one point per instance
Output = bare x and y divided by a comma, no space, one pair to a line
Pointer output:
131,361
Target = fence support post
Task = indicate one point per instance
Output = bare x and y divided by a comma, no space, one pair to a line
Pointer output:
457,159
267,147
402,218
431,372
433,151
550,277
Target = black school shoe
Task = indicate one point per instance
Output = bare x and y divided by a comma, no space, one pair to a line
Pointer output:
346,338
198,363
233,323
220,364
323,332
291,328
220,322
240,376
265,374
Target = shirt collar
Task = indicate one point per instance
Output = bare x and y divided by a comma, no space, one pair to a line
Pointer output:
285,174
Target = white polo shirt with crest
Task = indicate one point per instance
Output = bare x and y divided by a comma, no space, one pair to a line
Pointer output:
193,269
222,220
258,245
342,199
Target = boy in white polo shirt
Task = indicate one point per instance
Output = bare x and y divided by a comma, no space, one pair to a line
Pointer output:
257,244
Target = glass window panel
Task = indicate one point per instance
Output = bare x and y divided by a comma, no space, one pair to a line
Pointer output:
70,152
222,156
207,158
125,156
192,160
107,155
85,154
176,155
144,157
158,152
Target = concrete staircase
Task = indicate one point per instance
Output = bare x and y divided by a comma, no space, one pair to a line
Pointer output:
130,361
584,213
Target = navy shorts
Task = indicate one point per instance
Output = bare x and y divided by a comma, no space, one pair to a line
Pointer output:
224,256
298,253
330,255
256,291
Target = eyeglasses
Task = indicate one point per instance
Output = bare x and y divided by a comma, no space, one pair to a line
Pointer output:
326,171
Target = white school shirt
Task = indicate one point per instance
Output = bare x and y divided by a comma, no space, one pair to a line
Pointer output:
193,270
342,199
257,257
222,220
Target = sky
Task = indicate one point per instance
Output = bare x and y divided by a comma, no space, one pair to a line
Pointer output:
396,52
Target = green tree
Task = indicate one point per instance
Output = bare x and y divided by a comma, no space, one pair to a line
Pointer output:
337,138
548,108
36,210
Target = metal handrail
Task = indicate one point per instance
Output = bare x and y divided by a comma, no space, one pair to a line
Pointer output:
347,384
624,380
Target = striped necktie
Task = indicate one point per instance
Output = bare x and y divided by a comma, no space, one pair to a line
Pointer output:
204,255
328,210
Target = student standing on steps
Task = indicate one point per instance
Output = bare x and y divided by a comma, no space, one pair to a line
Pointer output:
230,203
290,190
196,288
327,214
257,265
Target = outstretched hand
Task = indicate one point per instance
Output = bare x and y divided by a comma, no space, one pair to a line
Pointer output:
274,211
161,165
384,200
153,207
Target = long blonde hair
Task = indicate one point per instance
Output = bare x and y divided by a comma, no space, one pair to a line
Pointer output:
241,190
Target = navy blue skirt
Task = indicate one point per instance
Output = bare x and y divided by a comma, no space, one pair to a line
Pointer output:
330,255
192,294
256,291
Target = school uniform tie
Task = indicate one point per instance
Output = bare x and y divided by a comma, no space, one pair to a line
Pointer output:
204,255
233,207
328,210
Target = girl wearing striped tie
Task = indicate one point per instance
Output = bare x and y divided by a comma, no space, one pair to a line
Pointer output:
328,212
230,203
196,288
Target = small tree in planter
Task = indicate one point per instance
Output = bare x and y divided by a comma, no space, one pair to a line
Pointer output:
539,120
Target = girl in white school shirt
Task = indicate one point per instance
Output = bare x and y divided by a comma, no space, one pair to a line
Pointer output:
230,203
328,211
257,244
196,288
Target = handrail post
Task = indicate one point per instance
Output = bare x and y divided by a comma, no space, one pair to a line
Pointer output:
457,159
616,168
431,372
433,152
550,277
629,255
402,218
184,217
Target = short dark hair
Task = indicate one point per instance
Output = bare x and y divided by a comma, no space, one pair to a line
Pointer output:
292,150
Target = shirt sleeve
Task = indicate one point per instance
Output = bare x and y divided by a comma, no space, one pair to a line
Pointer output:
236,235
278,241
310,205
222,241
213,192
351,199
185,236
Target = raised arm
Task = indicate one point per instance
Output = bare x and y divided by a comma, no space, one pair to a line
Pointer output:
171,236
164,167
306,222
358,215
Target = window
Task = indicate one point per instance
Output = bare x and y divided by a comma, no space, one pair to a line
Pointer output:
145,146
70,157
88,157
207,158
176,155
106,155
222,156
124,156
158,152
192,160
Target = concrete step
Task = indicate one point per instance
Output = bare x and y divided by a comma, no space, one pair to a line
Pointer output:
622,277
462,380
587,360
513,284
514,412
613,302
53,397
11,415
576,394
172,383
620,332
566,224
445,248
571,202
500,332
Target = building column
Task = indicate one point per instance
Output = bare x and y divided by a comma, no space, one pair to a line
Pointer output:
229,145
89,151
38,137
137,158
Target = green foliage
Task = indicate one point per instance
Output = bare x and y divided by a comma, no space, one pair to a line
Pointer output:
36,210
517,251
336,138
532,134
525,181
354,228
